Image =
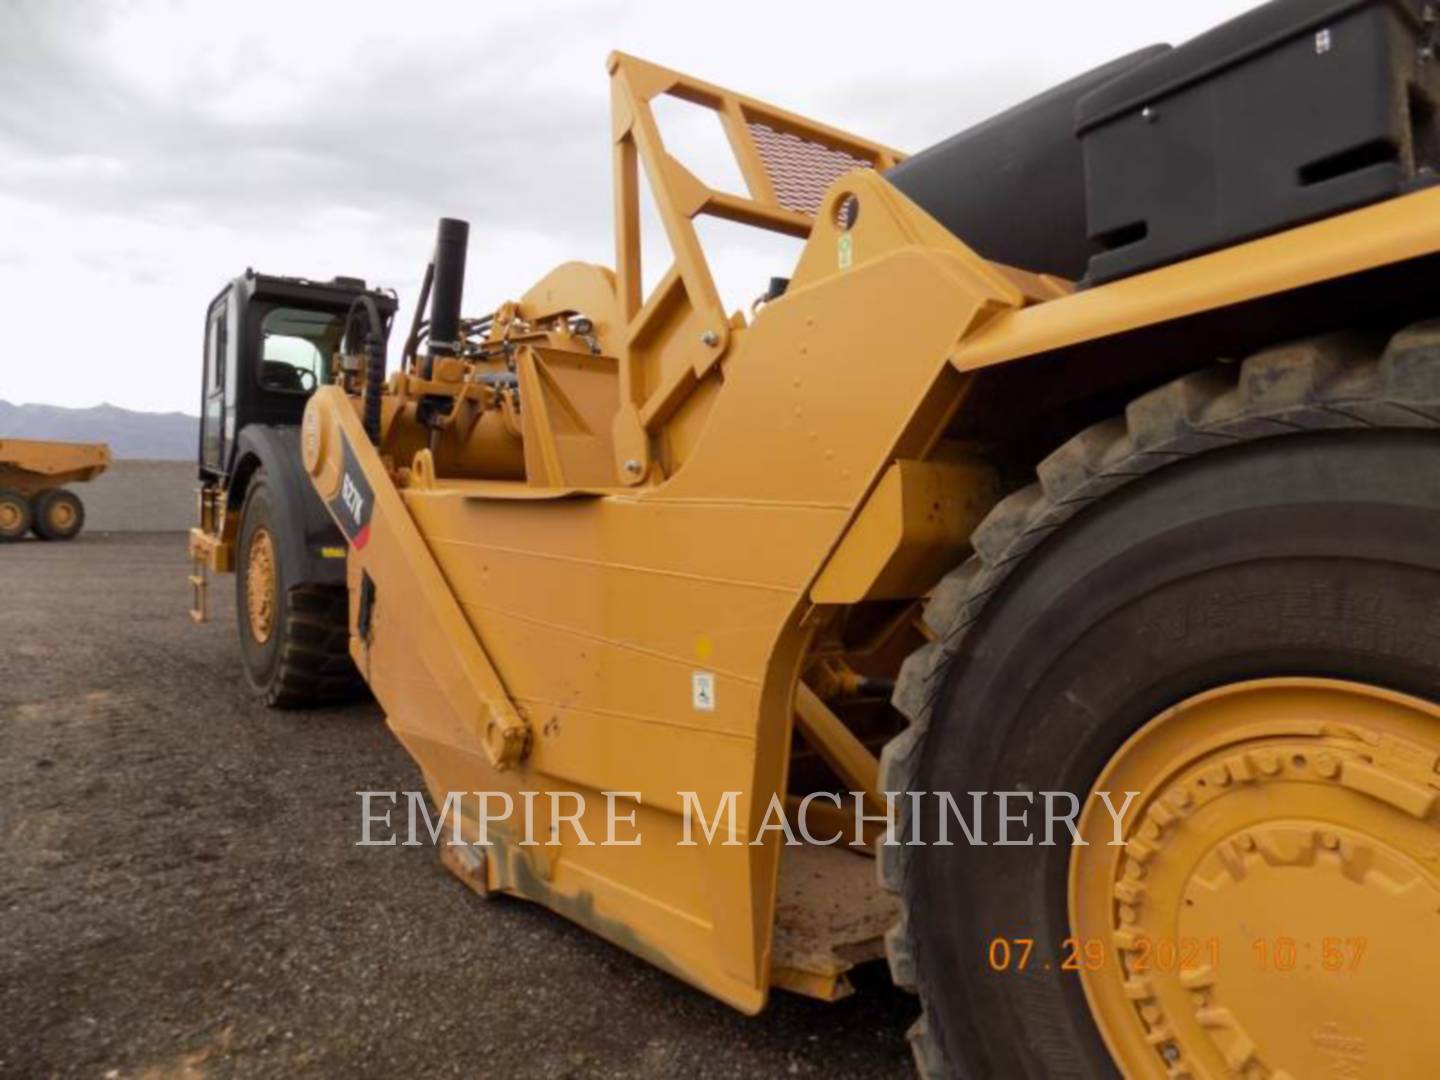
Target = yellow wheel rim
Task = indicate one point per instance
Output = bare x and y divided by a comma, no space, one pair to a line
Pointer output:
260,585
11,517
1274,910
62,515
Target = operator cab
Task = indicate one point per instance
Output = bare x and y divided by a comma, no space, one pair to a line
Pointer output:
268,345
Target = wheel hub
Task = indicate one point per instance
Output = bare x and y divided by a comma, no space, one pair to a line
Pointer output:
62,515
260,591
10,517
1275,908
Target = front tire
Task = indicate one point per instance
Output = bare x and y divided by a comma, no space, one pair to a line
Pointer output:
294,636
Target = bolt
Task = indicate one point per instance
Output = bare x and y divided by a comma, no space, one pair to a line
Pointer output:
1170,1052
632,467
1247,843
709,337
1149,114
1329,841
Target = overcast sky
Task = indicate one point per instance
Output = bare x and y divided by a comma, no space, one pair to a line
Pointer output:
149,151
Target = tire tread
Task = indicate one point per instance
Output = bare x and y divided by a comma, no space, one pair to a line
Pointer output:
315,663
1336,381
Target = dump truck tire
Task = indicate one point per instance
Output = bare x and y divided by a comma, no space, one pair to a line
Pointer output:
58,515
15,516
1272,520
294,638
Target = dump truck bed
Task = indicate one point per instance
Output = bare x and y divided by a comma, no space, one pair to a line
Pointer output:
51,463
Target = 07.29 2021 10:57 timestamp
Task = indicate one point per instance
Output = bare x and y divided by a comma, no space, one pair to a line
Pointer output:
1335,955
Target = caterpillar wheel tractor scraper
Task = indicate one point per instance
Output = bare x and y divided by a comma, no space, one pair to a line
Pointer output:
33,495
1081,474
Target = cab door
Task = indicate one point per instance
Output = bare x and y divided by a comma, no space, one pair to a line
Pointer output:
212,392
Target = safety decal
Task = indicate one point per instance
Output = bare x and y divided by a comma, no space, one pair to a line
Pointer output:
702,691
354,501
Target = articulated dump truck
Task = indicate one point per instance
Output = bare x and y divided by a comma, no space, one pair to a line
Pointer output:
1069,518
33,496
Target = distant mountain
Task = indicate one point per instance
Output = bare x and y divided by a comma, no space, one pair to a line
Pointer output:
168,436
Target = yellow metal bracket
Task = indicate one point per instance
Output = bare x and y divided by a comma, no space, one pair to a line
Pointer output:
208,552
913,528
672,339
199,592
838,746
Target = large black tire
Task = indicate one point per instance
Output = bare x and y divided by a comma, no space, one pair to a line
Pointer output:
15,516
304,659
1306,474
59,515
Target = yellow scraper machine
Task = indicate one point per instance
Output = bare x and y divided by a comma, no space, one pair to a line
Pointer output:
1076,496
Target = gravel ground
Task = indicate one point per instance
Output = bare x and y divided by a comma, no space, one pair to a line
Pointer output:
181,896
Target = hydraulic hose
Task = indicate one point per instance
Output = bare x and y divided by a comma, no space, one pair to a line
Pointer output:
412,343
374,346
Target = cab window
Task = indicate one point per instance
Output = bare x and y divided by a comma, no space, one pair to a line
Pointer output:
296,346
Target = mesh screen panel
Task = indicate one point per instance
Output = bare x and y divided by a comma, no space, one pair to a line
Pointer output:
800,170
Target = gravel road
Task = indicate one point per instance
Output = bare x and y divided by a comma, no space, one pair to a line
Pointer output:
181,896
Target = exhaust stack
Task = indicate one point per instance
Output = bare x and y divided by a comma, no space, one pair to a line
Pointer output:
451,240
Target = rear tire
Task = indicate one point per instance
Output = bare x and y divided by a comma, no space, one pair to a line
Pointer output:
15,516
59,515
1177,550
294,637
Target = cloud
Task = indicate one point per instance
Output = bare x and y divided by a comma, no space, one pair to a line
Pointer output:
152,149
257,137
